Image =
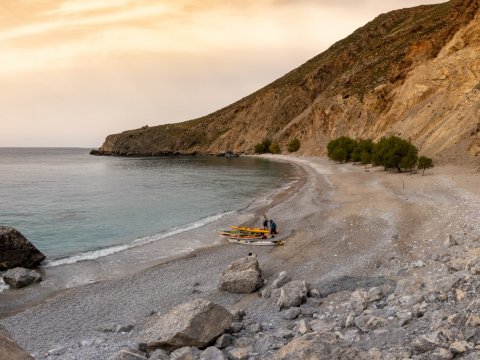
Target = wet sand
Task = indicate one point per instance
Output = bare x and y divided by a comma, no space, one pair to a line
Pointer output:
336,220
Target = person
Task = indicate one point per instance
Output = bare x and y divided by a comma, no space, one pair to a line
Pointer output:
273,228
265,222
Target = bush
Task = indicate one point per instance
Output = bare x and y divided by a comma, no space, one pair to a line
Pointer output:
293,145
263,147
395,153
363,150
274,148
341,149
424,163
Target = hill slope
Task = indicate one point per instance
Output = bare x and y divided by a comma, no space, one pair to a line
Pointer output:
411,72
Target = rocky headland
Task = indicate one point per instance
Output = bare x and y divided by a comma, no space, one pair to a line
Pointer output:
413,73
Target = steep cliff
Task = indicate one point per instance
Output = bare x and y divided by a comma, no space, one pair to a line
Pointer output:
411,72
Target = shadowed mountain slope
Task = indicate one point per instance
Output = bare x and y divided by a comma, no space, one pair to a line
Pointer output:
411,72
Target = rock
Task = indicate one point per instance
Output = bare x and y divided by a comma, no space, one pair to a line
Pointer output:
281,280
238,354
20,277
473,320
196,323
369,323
441,354
59,351
303,327
450,241
254,328
292,294
291,313
358,301
159,354
238,315
124,328
10,350
242,276
127,354
322,325
185,353
224,341
459,347
17,251
267,343
375,294
426,343
212,353
235,327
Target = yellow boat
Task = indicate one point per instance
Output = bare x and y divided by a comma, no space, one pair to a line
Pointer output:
251,230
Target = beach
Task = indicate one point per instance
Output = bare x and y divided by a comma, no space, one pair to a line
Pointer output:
336,220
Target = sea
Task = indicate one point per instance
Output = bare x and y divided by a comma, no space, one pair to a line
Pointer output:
76,207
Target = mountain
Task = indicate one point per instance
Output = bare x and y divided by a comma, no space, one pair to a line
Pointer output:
412,72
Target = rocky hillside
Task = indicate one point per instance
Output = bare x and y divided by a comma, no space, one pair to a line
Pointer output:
411,72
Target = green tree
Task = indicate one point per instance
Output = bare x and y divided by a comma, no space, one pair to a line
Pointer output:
424,163
274,148
263,147
394,153
362,150
341,149
293,145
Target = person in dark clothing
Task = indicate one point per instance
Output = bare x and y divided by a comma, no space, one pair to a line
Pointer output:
273,228
265,222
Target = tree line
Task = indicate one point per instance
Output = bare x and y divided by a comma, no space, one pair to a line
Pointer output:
390,152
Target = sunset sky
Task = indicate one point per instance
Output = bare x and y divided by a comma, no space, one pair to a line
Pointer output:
74,71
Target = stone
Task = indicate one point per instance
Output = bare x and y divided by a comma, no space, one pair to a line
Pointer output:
58,351
212,353
185,353
197,323
159,354
224,341
460,347
303,327
20,277
426,343
235,327
242,276
17,251
441,354
322,325
450,241
238,354
267,343
281,280
291,313
9,349
358,301
254,328
292,294
374,294
369,323
473,320
127,354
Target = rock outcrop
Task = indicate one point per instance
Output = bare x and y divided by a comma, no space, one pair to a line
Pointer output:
197,323
411,72
10,350
242,276
20,277
17,251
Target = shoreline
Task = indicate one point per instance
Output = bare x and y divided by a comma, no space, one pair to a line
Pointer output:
343,220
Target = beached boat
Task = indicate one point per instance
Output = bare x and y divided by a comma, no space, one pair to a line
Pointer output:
266,242
248,229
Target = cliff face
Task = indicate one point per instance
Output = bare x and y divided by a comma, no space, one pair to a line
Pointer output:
413,72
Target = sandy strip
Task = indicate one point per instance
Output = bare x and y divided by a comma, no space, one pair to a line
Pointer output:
340,220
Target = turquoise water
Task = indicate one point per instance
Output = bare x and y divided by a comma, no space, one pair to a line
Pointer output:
67,202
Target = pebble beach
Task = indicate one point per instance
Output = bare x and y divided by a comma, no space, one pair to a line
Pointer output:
336,220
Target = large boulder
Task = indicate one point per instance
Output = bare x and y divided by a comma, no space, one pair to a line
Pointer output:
242,276
197,323
9,348
293,294
20,277
17,251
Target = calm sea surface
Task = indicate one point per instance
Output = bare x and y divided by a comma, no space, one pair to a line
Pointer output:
67,202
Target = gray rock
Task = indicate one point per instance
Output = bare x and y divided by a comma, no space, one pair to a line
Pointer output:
254,328
235,327
185,353
10,350
426,343
20,277
17,251
369,323
128,354
441,354
375,294
267,343
224,341
124,328
293,294
159,354
212,353
358,301
58,351
322,325
291,313
281,280
450,241
460,347
242,276
303,326
196,323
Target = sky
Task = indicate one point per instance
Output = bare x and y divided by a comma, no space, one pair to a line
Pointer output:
74,71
